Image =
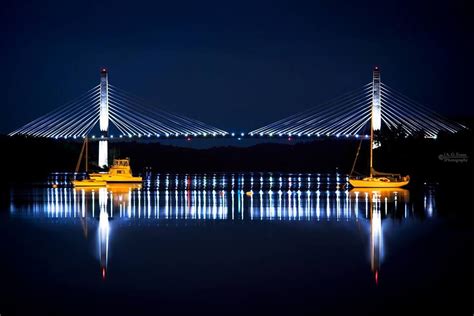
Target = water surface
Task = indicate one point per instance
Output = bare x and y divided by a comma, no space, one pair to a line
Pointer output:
233,244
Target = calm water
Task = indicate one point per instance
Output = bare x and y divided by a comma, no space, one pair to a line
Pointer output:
233,244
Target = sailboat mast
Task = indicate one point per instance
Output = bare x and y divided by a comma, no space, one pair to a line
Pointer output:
87,155
371,149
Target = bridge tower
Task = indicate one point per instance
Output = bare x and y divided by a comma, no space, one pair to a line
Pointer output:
376,103
104,118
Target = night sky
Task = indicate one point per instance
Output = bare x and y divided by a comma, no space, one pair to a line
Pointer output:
234,64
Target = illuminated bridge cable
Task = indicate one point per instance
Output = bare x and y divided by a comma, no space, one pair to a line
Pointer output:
334,106
48,123
42,124
158,121
42,121
141,124
309,119
64,120
413,115
71,121
400,110
127,97
345,115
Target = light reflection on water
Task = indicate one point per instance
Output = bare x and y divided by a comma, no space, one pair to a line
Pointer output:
227,197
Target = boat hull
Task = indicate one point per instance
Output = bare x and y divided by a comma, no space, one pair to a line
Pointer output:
115,179
363,183
88,183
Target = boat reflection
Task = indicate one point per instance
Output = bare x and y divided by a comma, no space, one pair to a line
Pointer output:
198,199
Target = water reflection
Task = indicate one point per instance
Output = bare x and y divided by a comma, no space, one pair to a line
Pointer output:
228,197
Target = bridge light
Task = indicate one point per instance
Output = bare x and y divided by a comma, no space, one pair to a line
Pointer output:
129,136
233,134
121,136
347,135
102,136
149,135
111,136
261,134
299,135
93,136
357,135
204,134
337,135
280,134
242,134
366,136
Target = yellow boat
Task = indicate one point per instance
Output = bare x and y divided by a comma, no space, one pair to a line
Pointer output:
88,183
119,172
377,179
392,181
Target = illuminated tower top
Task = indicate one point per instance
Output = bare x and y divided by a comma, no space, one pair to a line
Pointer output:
104,103
376,101
104,118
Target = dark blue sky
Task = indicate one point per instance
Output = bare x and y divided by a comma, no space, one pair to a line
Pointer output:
237,65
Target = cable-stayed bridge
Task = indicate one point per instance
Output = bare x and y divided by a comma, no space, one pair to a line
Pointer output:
349,115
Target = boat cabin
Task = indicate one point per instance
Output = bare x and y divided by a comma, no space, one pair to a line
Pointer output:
120,167
121,162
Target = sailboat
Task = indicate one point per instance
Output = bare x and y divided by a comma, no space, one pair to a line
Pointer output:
119,172
86,182
377,179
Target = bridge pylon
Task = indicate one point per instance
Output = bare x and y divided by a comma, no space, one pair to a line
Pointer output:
104,119
376,100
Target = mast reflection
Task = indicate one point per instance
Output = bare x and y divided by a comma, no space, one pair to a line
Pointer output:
380,201
236,197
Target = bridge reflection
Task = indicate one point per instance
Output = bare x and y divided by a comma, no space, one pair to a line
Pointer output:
202,198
